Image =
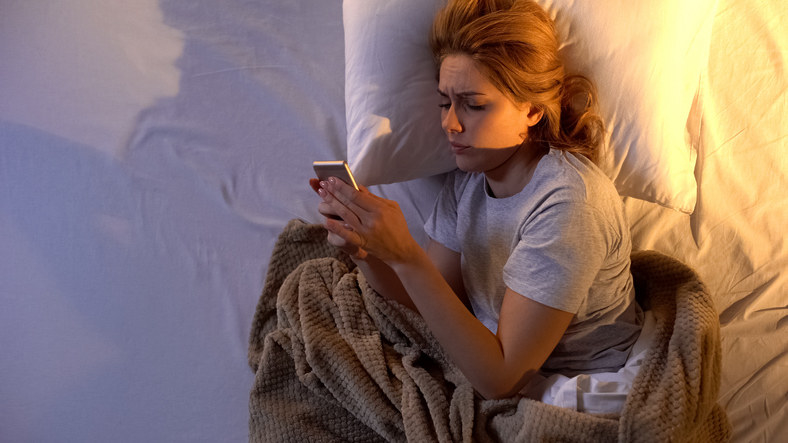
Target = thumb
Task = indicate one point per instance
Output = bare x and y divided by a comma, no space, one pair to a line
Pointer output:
314,184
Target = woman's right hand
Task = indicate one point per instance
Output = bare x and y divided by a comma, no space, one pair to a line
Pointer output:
325,210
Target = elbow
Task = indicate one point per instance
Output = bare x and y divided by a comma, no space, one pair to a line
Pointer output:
491,395
494,393
501,388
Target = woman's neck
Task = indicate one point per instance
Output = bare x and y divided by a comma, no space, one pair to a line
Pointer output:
510,177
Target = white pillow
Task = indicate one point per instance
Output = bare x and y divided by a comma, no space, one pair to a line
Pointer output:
646,59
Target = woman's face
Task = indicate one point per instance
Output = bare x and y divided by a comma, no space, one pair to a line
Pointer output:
484,127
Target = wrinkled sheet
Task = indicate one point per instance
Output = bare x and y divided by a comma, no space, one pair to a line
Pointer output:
150,152
736,237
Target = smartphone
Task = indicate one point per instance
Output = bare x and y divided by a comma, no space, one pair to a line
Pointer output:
334,168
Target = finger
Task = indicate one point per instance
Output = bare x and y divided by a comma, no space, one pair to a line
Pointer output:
350,249
345,241
327,211
323,208
359,201
339,242
345,232
314,184
335,207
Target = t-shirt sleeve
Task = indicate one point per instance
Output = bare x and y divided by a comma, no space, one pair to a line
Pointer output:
441,226
560,251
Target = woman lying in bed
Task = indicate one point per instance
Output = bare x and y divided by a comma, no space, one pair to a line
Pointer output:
527,268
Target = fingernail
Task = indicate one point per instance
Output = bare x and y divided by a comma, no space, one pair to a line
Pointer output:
332,180
321,192
323,184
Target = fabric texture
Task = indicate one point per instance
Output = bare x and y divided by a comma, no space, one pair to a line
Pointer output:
334,361
562,241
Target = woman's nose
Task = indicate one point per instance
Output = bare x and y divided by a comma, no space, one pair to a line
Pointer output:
450,121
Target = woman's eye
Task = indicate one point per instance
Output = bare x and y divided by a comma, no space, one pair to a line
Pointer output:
468,106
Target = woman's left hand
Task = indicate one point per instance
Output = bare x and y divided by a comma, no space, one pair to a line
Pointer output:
374,224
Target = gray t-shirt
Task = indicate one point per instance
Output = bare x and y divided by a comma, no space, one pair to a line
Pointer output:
562,241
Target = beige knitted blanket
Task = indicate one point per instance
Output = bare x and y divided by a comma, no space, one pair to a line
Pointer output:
334,361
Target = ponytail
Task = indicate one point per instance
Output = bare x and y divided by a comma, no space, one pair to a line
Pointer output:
581,129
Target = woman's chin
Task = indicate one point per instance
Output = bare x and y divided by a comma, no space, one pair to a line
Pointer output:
466,166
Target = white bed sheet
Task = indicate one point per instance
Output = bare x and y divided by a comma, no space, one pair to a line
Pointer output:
150,152
735,238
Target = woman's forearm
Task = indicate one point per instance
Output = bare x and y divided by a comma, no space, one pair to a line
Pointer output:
471,346
458,331
384,281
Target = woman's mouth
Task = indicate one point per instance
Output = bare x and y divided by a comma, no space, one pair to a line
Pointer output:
458,148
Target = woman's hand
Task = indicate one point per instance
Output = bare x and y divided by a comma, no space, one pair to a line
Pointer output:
369,224
326,211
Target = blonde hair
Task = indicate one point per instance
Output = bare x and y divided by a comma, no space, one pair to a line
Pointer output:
515,44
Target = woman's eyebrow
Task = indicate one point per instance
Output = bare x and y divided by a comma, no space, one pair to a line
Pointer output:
462,94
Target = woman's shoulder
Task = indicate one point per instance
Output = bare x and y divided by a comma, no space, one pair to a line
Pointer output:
574,187
572,177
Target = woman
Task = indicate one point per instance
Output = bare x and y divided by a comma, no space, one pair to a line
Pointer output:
527,267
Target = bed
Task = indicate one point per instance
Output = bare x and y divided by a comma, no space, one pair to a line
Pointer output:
151,154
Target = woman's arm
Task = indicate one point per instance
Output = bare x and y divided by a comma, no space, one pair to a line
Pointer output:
449,265
386,282
497,365
381,277
383,280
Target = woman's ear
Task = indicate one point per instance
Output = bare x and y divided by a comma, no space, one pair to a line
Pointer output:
534,115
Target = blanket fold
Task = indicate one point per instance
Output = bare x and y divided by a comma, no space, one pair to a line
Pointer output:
335,361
